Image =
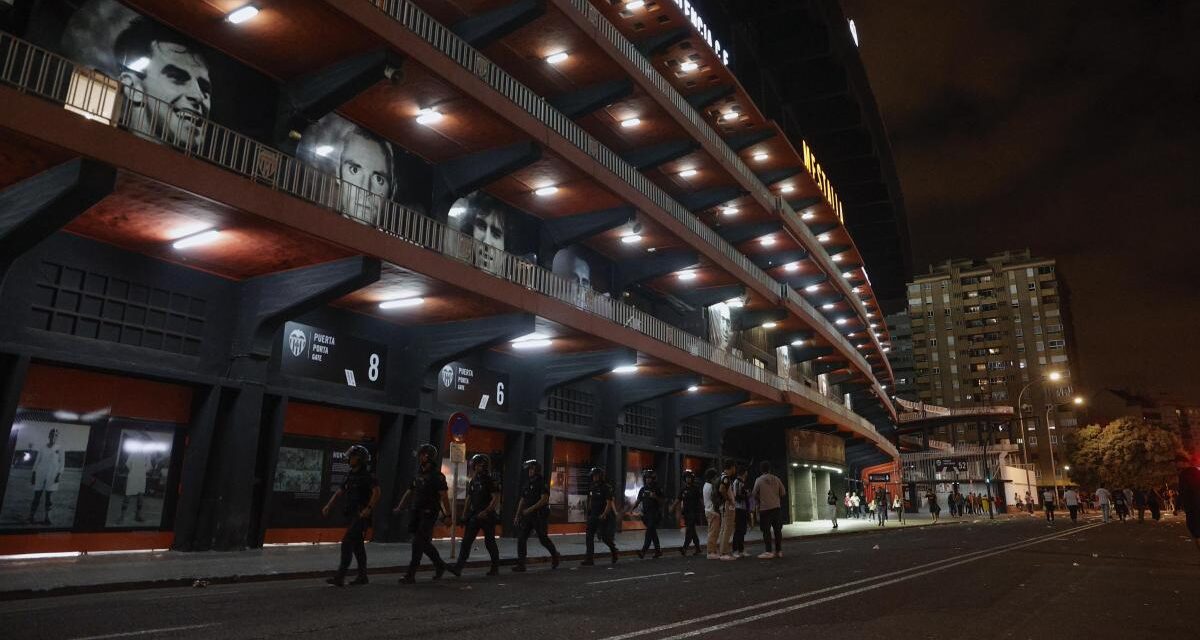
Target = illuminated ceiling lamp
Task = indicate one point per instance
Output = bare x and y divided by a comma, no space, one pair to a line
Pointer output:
627,368
812,288
767,241
693,389
629,123
791,266
823,238
731,115
770,325
686,276
689,66
787,188
402,303
807,215
242,14
730,211
797,343
687,173
558,57
546,191
429,116
634,5
203,237
632,238
761,156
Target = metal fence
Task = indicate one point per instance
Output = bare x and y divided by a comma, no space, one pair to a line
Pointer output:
99,98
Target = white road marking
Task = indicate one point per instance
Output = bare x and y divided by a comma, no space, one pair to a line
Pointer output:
653,575
130,634
823,552
937,563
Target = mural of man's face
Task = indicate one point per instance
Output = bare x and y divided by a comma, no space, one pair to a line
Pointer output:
179,77
582,271
364,164
489,228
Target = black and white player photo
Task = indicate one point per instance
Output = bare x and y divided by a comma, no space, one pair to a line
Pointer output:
363,161
157,62
571,264
44,474
481,217
139,478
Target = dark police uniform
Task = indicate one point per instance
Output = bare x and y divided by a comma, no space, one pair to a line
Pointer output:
426,491
535,522
598,497
479,496
691,506
650,496
356,490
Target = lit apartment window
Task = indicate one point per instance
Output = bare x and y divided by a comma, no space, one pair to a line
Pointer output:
933,342
1033,441
1041,346
1029,272
1058,344
937,371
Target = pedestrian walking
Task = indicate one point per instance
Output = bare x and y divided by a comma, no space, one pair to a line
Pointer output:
849,507
690,506
533,515
728,512
361,491
650,498
712,514
935,509
479,515
1104,499
831,500
1121,504
1071,499
1048,497
856,503
430,503
1189,500
898,507
881,505
1152,501
741,518
1029,501
1139,503
769,493
599,510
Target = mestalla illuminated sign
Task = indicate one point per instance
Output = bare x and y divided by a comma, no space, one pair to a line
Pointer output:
701,27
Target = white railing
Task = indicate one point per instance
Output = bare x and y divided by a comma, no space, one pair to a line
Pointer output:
97,97
433,32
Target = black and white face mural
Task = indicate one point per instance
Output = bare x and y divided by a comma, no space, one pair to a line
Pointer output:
783,361
720,325
363,161
482,217
570,263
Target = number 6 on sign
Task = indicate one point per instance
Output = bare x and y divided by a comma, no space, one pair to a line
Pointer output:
500,393
373,369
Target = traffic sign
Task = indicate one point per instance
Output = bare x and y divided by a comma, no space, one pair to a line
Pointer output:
457,426
458,453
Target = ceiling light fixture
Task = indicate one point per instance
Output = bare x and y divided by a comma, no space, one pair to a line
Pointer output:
808,215
824,237
730,211
693,389
797,343
770,325
812,287
429,116
730,115
627,368
761,156
532,344
837,257
787,188
402,303
242,14
841,321
546,191
827,306
689,66
630,122
791,266
686,275
196,239
324,150
847,275
558,57
457,211
634,4
632,238
735,303
766,241
687,173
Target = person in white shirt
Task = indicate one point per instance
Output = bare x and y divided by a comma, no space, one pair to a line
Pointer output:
1048,497
712,515
48,465
856,503
1071,498
1104,499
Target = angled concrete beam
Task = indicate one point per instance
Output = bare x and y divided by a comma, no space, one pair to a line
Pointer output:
624,392
559,369
742,416
741,141
708,198
807,280
707,296
266,302
35,208
821,227
485,28
776,339
565,231
644,158
655,45
690,406
588,99
751,318
308,98
705,98
810,353
739,233
632,271
777,258
464,175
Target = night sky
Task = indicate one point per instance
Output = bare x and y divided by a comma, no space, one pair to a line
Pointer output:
1069,128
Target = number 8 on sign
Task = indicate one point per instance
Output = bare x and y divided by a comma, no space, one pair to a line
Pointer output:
373,369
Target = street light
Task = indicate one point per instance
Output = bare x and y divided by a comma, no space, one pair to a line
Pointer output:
1052,376
1077,400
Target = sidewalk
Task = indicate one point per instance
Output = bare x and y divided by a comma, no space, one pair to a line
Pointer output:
22,578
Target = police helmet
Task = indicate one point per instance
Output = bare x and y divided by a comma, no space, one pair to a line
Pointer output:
597,471
533,464
360,451
479,458
429,450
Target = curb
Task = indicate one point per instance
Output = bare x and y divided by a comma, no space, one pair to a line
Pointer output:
142,585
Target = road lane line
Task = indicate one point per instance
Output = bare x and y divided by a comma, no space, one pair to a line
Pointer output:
871,587
130,634
653,575
762,605
824,552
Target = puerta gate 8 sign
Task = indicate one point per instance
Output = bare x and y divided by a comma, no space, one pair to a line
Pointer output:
312,352
469,384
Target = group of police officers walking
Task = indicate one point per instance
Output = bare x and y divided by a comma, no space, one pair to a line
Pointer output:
429,503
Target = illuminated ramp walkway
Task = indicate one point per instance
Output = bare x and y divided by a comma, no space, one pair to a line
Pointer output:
919,415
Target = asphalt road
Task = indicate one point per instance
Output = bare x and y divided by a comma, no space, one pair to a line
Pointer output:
1014,579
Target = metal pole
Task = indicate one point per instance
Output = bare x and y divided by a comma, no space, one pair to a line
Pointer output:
453,506
1021,418
1053,466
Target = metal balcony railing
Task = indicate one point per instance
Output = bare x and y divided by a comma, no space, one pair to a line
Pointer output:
444,40
99,98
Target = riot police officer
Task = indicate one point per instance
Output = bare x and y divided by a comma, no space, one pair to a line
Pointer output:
533,511
429,503
599,511
650,497
690,507
361,490
479,514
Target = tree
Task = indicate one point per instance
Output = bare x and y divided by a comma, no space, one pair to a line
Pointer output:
1126,452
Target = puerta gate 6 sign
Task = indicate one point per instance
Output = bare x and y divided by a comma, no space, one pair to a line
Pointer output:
312,352
468,384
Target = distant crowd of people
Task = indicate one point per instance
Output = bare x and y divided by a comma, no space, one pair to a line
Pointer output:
1120,503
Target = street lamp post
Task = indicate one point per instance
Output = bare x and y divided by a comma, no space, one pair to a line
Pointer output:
1053,376
1077,400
